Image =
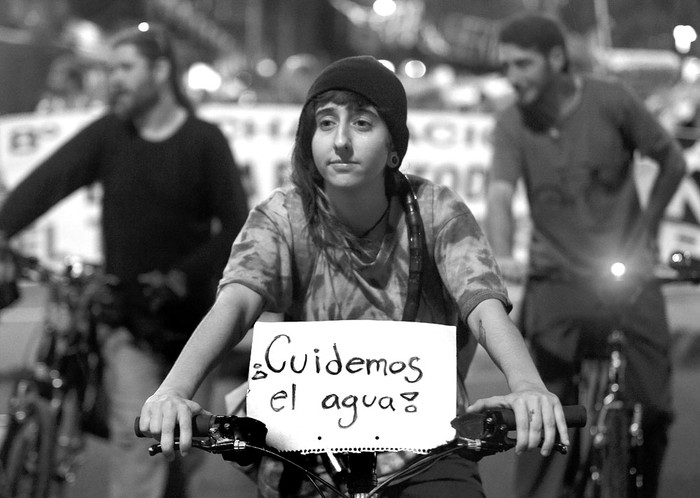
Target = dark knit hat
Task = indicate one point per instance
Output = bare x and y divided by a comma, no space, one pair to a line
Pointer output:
368,77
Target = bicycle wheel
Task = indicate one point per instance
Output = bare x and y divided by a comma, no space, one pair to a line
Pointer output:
27,453
615,467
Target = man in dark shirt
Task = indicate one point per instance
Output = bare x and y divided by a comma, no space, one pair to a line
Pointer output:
172,205
572,140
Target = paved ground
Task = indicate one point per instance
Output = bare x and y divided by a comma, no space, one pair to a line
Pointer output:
681,478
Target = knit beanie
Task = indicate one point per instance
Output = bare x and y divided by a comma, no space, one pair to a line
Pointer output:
368,77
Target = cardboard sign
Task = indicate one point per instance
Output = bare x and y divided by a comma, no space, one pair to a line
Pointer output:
356,385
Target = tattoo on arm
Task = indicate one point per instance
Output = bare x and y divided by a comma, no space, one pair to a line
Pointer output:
482,334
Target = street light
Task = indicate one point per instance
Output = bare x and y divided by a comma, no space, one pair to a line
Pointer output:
384,8
203,77
684,36
414,69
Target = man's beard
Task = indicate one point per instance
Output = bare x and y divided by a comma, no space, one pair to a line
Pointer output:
136,104
541,114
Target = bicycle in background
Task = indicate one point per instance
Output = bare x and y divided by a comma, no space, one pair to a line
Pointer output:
610,462
59,398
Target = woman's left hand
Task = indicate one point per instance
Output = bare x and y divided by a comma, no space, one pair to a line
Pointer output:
538,415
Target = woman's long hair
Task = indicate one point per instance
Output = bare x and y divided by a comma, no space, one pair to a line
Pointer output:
325,230
153,44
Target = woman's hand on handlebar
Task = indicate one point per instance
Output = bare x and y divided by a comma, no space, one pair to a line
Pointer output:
538,415
163,414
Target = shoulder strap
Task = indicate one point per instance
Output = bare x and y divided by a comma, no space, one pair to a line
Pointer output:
302,252
417,247
466,343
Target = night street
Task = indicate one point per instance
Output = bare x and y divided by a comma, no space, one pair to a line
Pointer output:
363,172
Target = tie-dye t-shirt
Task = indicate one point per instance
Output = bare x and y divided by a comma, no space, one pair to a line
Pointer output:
274,256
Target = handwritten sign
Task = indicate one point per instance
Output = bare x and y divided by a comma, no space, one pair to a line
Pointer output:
357,385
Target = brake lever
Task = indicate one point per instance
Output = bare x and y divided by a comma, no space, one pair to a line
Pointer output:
230,437
484,434
488,433
215,447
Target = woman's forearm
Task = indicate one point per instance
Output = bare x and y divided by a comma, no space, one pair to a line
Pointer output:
504,343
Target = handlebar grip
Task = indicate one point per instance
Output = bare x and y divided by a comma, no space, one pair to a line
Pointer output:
575,416
200,426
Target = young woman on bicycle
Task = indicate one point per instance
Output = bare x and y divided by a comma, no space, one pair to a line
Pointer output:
336,245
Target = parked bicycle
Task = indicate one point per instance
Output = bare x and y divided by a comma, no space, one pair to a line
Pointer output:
612,448
242,439
58,399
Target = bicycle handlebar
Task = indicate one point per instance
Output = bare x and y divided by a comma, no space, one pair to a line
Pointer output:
222,429
575,416
242,440
201,424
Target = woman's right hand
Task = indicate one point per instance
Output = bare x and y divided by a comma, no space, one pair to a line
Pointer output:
165,411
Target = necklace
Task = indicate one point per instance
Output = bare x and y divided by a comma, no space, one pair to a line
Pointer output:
376,223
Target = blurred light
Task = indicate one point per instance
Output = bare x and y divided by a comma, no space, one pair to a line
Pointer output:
684,36
86,37
203,77
618,269
691,70
144,26
414,69
384,8
497,87
444,75
684,109
464,95
388,64
266,68
302,62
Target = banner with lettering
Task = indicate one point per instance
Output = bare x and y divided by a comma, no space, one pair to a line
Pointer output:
356,385
450,148
72,227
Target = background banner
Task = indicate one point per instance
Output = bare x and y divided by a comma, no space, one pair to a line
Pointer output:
447,147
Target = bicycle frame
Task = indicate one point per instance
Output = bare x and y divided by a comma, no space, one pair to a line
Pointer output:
611,458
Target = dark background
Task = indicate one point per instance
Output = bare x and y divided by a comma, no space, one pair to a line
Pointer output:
459,33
